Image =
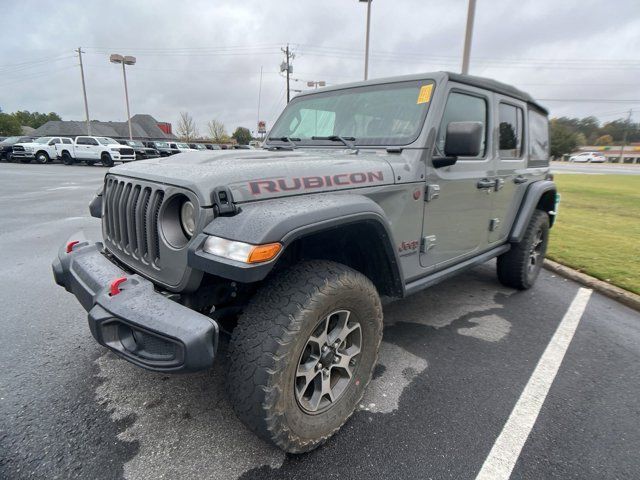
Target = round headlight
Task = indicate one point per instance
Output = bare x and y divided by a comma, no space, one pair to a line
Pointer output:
188,218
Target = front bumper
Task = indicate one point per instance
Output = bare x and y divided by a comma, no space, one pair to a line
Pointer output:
23,154
138,323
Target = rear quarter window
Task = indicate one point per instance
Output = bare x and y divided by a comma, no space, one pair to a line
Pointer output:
538,139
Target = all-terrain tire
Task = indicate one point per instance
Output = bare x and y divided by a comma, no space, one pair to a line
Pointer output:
268,342
519,267
106,160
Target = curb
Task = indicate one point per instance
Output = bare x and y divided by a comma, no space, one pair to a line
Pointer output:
627,298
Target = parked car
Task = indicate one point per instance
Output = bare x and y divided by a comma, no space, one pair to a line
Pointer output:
197,146
288,250
141,151
94,149
162,147
6,146
212,146
180,147
242,147
588,157
42,149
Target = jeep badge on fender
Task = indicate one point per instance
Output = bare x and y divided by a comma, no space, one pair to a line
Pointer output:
377,188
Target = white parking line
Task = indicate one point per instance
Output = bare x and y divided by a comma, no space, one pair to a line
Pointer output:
508,445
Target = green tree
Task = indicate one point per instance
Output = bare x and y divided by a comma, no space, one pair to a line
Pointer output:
604,140
242,135
563,139
9,125
34,119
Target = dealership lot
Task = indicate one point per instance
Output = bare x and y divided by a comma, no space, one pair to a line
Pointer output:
453,364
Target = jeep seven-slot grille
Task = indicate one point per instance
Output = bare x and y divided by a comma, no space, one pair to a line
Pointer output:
131,219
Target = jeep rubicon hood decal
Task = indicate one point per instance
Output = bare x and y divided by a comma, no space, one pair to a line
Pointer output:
260,174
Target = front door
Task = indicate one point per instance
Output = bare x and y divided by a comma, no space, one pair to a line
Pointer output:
458,200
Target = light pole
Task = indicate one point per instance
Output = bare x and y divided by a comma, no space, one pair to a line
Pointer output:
127,60
471,12
366,45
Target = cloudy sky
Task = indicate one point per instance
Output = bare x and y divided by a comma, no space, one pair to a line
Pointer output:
578,57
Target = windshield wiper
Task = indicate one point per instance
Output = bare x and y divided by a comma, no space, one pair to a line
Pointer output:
337,138
289,140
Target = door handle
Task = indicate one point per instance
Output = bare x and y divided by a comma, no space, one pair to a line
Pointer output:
519,179
485,183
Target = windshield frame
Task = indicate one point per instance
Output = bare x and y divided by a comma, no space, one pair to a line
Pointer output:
359,143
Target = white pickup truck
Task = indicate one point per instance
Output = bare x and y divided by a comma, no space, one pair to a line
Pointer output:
95,149
42,149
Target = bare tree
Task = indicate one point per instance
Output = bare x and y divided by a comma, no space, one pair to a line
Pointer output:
187,129
216,131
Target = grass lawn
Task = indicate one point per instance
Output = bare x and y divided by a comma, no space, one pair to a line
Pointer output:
598,227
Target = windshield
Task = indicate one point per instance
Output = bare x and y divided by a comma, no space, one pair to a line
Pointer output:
161,145
107,141
11,140
389,114
135,143
183,145
42,140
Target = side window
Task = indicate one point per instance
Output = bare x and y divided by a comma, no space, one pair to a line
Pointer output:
92,141
67,141
54,141
538,139
510,119
81,141
462,107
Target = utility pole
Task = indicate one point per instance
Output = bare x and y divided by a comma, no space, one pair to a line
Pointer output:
471,12
84,92
366,43
286,66
624,138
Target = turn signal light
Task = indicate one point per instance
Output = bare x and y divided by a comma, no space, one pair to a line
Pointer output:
70,245
263,253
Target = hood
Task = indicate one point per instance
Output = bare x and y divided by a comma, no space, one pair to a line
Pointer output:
260,174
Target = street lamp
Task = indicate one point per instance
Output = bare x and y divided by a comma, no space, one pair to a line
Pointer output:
126,60
366,47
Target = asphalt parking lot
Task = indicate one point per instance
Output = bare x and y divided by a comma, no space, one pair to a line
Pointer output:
454,362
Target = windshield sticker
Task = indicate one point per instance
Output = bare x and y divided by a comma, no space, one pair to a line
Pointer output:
425,94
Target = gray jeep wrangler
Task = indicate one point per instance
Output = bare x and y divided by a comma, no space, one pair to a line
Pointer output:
373,189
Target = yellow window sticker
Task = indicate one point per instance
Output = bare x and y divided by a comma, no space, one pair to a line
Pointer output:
425,93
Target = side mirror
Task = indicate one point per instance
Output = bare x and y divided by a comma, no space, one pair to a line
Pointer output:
463,139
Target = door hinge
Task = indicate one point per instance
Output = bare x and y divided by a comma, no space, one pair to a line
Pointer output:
427,243
431,192
499,183
493,224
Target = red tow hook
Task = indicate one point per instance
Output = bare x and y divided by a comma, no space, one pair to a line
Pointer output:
114,288
70,245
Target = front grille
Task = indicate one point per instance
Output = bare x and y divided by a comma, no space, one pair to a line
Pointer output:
131,219
18,148
126,151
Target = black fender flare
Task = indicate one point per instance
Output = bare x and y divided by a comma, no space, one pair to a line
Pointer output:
532,196
285,220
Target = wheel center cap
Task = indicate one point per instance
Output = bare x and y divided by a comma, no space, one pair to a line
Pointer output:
328,357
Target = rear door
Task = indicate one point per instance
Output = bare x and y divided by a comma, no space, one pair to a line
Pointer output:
456,220
510,167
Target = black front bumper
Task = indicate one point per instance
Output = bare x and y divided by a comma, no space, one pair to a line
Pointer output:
138,323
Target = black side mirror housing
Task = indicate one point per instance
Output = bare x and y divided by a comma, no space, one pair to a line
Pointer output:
463,139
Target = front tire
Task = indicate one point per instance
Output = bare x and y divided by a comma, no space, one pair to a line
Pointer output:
303,353
42,157
519,267
67,159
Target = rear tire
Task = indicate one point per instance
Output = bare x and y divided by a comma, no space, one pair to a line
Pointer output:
67,159
519,267
106,160
315,312
42,157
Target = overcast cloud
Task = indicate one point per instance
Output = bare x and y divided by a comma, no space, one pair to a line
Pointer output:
204,57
